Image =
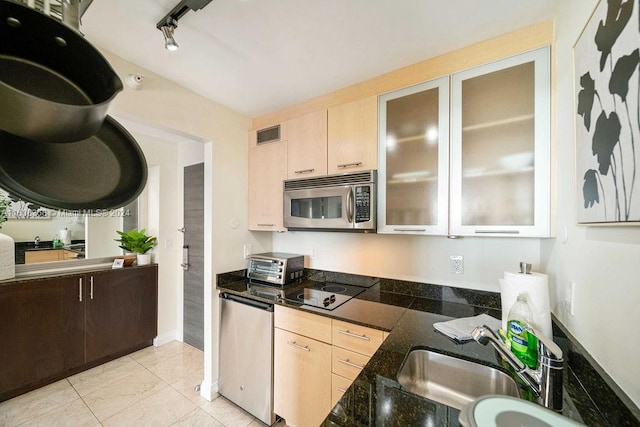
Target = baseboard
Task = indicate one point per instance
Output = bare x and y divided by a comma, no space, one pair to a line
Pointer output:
165,338
209,390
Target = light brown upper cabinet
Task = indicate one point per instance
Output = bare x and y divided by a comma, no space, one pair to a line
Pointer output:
353,136
500,148
307,145
267,171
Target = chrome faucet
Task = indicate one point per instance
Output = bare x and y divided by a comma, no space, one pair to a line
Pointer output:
36,240
546,380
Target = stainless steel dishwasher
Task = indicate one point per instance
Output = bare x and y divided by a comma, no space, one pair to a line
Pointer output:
246,355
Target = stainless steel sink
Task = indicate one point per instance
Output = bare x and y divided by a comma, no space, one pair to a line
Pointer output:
451,381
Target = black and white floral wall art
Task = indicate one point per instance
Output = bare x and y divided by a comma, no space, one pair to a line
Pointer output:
607,82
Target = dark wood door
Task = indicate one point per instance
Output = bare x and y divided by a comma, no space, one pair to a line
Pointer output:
122,311
41,330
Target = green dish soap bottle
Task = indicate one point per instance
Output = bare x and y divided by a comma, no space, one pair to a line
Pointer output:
523,344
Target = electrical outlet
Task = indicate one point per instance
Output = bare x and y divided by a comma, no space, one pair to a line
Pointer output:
247,250
572,299
457,264
565,295
314,253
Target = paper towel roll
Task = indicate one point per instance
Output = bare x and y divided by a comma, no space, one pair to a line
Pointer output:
536,288
65,237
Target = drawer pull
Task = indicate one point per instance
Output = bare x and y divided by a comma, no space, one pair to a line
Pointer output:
80,289
91,290
341,390
346,362
293,344
266,225
351,334
304,171
350,165
497,232
409,230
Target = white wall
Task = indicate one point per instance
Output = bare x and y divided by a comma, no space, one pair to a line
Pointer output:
164,104
413,258
603,262
100,233
24,230
165,207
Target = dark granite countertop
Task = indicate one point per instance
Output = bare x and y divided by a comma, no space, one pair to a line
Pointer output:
375,397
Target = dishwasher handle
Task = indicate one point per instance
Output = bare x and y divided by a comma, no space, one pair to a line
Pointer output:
247,301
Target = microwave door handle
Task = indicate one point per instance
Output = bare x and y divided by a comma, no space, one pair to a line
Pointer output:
350,206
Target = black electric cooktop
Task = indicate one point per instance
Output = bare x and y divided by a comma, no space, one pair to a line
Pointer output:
325,295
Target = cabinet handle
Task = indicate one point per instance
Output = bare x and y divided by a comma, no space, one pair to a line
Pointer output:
409,229
497,232
91,287
293,343
346,362
351,334
350,165
304,171
80,289
266,225
341,390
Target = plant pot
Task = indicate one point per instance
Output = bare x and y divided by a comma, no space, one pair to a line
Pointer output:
7,257
128,259
144,259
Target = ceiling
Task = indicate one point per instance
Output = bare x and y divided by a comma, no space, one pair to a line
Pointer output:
257,56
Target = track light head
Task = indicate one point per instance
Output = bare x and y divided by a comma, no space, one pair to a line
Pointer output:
167,31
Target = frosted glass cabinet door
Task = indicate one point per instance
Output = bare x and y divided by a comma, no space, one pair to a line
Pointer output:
500,145
414,156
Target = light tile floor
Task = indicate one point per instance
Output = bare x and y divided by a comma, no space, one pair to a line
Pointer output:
152,387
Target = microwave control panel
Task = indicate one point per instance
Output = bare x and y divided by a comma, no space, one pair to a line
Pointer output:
363,203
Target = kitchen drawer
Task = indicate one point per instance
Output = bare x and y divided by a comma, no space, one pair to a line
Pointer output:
339,386
307,324
347,363
357,338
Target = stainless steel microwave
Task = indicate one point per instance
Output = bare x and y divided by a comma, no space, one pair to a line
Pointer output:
341,202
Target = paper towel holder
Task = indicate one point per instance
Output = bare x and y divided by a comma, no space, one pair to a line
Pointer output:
525,268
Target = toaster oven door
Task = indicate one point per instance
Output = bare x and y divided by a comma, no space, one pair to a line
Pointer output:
319,208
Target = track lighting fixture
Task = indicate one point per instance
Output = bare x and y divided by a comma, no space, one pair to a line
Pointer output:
169,23
167,31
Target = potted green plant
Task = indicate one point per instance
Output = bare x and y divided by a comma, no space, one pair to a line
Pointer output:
137,242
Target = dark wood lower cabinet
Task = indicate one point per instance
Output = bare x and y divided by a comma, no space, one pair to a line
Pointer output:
53,327
41,329
121,311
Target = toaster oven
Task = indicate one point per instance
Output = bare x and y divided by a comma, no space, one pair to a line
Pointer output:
277,268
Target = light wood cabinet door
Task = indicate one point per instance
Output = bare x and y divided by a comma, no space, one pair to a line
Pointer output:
302,379
353,136
46,255
267,171
307,145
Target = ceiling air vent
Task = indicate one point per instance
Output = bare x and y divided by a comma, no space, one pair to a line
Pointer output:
267,135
